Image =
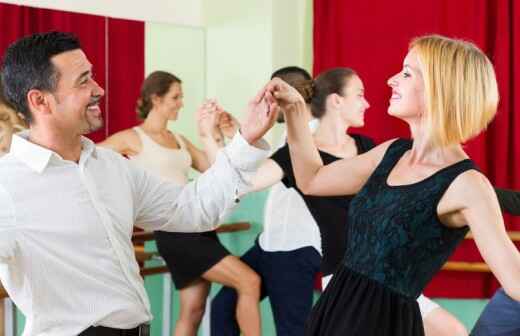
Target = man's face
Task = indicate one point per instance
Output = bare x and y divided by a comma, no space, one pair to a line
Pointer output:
75,102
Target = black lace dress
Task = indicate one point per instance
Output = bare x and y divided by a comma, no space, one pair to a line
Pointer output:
396,244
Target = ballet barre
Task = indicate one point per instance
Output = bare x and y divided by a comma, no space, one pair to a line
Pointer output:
142,236
462,266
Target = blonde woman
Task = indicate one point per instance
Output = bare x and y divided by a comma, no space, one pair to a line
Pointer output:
415,199
10,123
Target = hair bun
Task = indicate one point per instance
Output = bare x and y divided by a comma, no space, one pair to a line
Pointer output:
305,88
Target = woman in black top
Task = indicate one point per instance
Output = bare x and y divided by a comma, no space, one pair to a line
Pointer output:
415,200
338,102
336,99
330,212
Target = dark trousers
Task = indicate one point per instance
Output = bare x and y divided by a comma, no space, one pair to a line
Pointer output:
142,330
501,317
288,281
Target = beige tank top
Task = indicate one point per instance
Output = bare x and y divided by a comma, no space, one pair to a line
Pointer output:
170,164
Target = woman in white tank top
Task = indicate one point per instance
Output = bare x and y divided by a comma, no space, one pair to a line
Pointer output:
194,259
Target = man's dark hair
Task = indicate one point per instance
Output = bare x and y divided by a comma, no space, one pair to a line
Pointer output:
292,71
27,65
297,78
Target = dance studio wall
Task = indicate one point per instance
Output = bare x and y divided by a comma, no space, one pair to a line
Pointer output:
233,54
372,37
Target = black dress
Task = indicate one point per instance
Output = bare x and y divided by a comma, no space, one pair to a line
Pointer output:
330,213
396,244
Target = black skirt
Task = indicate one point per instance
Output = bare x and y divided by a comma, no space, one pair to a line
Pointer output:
356,305
189,255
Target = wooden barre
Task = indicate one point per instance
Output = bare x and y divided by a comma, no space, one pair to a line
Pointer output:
233,227
142,236
141,255
154,270
462,266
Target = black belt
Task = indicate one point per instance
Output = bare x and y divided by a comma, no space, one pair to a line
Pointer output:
142,330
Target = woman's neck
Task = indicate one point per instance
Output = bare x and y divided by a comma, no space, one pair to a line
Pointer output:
332,132
155,122
425,152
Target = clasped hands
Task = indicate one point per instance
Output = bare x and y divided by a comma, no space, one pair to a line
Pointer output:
260,115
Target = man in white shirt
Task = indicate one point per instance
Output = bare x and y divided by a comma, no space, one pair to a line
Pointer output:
68,208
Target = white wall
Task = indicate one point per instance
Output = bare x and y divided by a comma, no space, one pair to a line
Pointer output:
182,52
239,49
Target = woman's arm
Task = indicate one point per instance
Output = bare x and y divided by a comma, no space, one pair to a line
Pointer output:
342,177
269,173
126,142
200,159
208,116
266,176
480,209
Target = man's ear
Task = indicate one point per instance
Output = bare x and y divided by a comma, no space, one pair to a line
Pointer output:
38,102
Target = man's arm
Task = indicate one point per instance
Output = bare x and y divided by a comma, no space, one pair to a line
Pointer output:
203,203
200,205
509,201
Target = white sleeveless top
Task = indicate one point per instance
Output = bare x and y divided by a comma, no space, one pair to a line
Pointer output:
167,163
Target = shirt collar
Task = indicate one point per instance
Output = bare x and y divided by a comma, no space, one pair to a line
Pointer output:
37,157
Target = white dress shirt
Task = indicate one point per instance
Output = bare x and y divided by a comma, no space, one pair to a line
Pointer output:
66,255
288,223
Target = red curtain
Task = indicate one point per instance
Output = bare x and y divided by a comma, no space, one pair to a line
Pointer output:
125,72
372,37
114,47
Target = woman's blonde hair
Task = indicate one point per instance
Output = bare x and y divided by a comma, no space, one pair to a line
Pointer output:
461,90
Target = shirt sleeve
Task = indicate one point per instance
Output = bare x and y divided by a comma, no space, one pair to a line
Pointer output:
509,201
202,204
8,232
